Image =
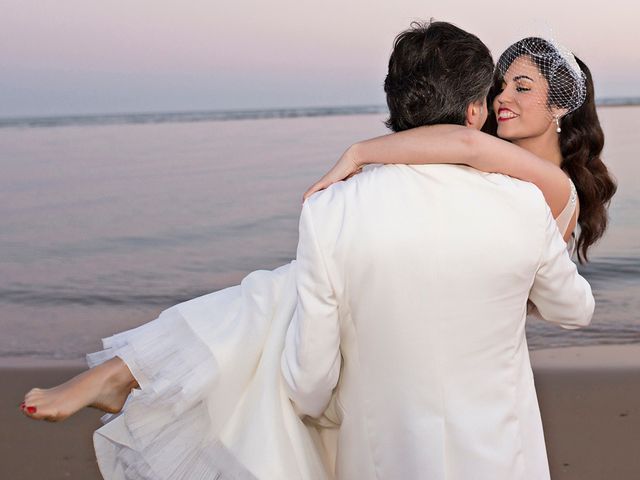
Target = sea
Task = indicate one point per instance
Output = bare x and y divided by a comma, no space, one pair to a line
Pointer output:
107,220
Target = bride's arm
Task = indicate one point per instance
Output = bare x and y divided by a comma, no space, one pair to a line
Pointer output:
454,144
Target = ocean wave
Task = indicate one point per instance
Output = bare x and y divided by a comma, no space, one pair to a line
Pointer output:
610,272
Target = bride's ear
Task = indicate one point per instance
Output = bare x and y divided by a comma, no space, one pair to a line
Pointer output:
476,114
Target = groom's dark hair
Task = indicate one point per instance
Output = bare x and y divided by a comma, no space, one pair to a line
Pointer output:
435,71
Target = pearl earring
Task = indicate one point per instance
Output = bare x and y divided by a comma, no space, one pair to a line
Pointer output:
558,125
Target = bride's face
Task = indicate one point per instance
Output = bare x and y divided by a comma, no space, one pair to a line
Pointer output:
521,106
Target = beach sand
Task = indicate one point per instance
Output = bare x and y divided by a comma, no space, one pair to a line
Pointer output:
589,400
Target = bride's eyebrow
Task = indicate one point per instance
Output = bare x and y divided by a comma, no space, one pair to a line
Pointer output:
520,77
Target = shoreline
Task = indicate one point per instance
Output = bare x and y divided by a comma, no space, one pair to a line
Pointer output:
544,354
589,398
614,355
608,356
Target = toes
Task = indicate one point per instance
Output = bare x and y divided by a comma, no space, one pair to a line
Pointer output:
33,391
31,396
33,414
30,411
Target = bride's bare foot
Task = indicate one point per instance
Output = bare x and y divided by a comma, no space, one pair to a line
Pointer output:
105,386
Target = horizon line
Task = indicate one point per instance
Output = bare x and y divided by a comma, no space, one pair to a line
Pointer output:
186,116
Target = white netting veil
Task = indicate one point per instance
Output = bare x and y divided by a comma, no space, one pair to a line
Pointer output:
545,71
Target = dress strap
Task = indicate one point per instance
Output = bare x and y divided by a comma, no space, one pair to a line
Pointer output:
565,216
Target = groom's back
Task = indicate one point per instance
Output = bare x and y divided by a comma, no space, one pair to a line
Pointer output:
432,265
427,237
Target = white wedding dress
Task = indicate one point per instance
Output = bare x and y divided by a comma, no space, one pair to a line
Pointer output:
211,403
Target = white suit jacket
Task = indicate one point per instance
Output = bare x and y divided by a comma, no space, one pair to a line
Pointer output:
409,328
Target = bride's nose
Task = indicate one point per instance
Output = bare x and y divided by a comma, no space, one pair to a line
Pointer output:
504,96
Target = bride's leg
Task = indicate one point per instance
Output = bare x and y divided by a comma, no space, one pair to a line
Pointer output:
105,386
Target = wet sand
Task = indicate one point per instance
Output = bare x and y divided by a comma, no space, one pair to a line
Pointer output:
31,450
589,400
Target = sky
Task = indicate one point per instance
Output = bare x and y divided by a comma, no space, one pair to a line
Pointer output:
114,56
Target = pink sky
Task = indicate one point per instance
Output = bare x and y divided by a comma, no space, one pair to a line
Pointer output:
133,56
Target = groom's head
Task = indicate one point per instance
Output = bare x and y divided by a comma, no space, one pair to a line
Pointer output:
438,73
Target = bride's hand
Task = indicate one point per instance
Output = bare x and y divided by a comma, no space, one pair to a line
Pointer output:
346,167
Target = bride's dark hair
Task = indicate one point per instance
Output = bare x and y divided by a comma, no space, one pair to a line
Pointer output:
581,143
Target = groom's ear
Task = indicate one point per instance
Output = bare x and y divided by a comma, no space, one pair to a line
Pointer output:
476,114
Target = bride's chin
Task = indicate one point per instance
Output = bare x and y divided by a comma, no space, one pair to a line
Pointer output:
506,135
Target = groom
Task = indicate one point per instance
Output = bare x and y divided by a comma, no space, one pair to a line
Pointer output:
413,281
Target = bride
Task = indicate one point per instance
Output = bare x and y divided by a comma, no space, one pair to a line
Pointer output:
197,393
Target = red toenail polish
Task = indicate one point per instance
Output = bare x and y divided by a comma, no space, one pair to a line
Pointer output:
31,409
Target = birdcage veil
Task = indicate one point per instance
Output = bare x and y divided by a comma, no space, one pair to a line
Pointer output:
539,66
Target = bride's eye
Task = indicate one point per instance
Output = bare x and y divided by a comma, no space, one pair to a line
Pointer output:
522,89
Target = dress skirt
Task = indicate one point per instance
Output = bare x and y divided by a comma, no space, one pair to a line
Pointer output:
211,402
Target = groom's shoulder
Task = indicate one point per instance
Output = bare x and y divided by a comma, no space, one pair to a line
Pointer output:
344,189
372,183
522,195
377,179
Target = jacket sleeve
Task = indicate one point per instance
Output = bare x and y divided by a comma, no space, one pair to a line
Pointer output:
311,359
559,292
